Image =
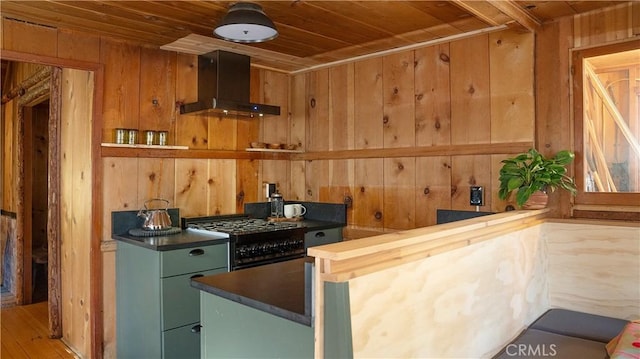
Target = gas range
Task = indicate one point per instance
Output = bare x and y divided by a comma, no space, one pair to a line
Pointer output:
252,241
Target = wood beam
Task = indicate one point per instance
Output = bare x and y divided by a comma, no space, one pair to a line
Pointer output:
481,10
517,13
491,12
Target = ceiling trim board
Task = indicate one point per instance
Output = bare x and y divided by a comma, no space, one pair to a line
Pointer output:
404,48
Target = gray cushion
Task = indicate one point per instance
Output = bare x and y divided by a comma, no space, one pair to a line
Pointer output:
580,325
540,344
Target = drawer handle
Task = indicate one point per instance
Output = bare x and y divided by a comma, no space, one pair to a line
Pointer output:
196,252
320,234
196,276
196,328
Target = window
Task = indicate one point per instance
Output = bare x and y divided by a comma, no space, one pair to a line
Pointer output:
607,124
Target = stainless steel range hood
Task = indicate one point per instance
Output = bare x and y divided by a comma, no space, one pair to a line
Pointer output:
223,87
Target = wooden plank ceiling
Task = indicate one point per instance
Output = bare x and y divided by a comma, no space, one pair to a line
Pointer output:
311,33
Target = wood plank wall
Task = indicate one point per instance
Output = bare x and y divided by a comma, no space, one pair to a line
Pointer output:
432,97
197,186
456,98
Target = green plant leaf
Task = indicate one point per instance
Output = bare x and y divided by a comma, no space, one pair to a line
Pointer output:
564,157
514,183
523,195
531,171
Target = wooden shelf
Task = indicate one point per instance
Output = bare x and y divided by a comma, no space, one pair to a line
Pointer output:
422,151
144,151
166,147
272,150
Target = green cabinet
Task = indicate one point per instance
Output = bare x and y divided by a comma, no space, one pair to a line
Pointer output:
235,330
182,342
158,312
323,236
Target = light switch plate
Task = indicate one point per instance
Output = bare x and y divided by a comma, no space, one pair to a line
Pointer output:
269,188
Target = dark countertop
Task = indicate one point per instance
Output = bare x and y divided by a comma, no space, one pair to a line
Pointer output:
279,288
180,240
185,239
311,225
122,221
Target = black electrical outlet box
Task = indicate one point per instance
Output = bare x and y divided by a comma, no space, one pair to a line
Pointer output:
476,196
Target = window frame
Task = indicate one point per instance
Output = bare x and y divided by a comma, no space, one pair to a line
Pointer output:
582,197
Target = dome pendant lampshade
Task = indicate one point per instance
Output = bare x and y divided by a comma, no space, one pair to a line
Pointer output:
246,22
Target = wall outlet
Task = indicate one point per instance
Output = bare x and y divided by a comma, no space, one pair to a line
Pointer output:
476,197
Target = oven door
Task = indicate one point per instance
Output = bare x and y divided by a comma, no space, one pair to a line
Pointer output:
257,249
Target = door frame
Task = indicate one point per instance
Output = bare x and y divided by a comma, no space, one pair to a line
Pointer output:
95,270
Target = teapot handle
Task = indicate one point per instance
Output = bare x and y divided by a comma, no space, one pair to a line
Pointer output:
156,199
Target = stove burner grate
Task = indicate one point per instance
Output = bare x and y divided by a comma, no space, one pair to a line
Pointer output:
243,226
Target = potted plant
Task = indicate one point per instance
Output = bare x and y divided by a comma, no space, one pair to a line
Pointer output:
532,176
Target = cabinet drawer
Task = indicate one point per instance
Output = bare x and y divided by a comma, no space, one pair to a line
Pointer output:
180,301
324,236
181,343
194,259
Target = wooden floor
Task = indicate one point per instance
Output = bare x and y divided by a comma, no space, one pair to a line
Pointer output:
24,334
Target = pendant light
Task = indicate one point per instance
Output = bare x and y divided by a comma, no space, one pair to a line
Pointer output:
246,22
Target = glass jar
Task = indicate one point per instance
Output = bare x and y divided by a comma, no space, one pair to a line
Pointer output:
277,205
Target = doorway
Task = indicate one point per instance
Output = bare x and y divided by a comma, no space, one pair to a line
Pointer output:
26,163
74,221
38,162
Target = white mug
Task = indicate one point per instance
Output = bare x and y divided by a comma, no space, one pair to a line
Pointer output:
294,210
299,210
289,210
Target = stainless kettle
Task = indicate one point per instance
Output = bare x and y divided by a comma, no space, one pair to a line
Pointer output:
155,219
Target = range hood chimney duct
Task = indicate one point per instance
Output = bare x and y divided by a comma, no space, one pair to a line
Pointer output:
224,87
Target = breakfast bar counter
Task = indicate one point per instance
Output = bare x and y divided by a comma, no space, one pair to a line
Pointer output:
263,311
279,289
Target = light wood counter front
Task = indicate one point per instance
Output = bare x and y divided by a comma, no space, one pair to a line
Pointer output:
340,262
465,289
